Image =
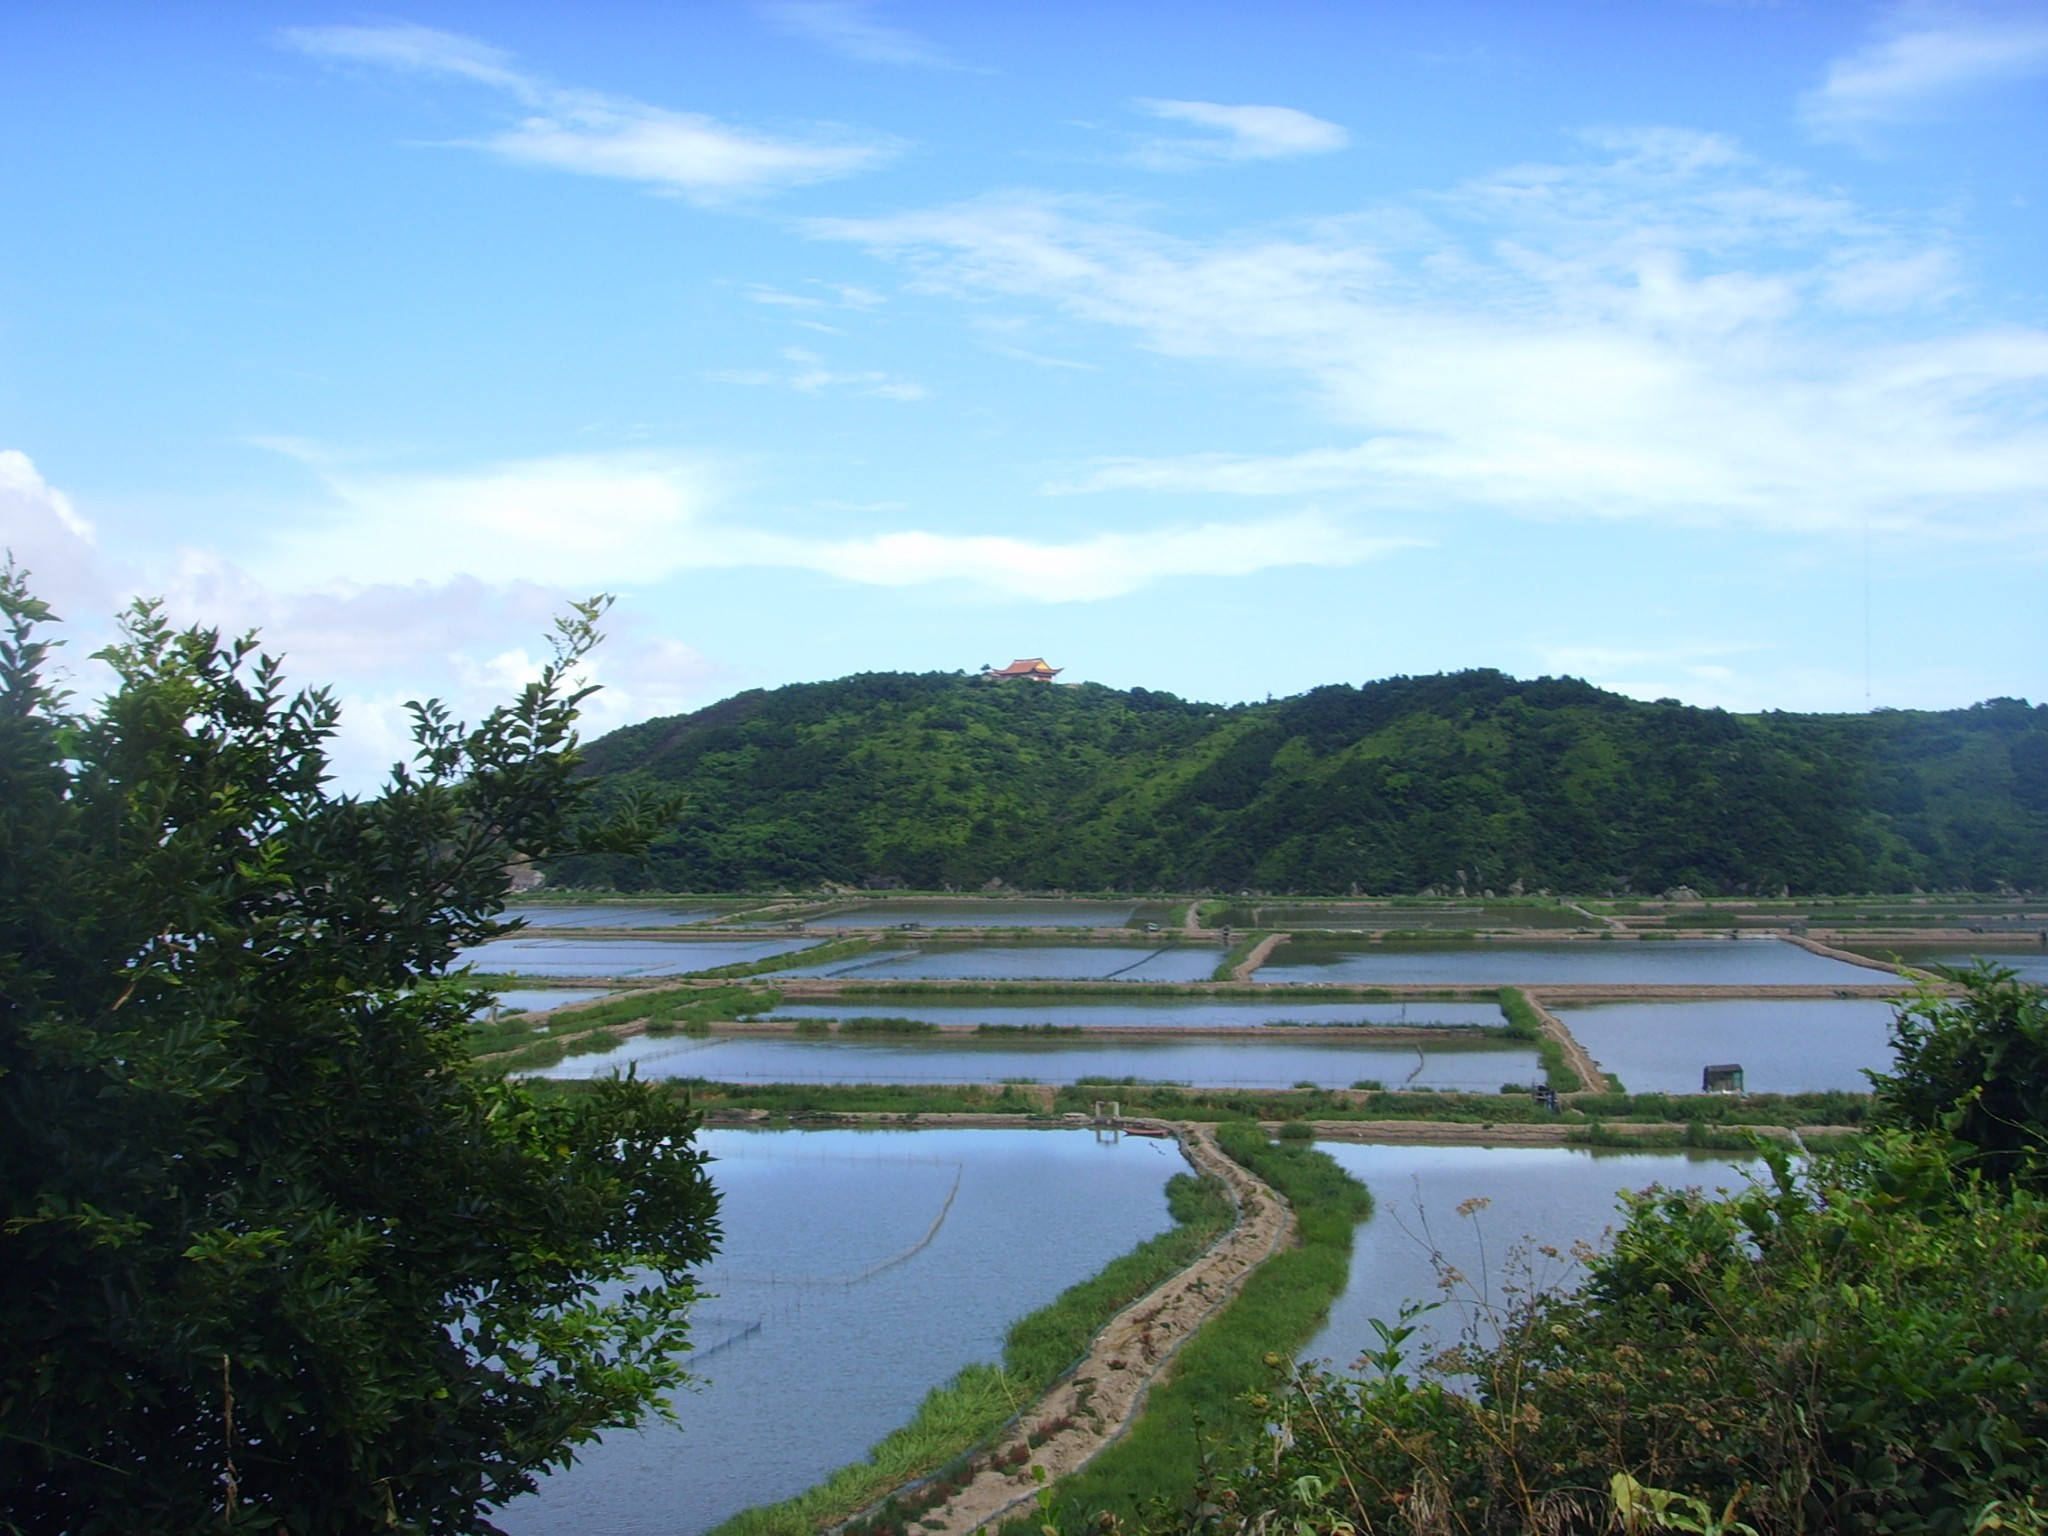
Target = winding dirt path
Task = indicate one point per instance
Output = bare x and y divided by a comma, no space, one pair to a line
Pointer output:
1100,1398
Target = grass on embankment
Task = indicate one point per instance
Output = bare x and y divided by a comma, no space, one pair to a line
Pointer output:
793,1101
956,1418
526,1042
1526,1024
1235,956
1278,1311
819,954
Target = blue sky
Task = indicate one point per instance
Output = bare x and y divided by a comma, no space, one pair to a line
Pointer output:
1699,350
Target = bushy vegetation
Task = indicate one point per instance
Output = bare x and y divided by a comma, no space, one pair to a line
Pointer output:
271,1258
1469,781
1857,1343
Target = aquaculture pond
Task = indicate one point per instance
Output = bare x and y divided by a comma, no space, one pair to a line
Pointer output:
613,915
1790,1046
972,913
1146,1013
540,999
1626,962
831,1315
2031,964
1454,916
1532,1196
1027,962
1480,1066
522,956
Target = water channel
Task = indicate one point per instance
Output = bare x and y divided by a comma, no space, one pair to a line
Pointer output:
1026,962
2031,964
1454,916
522,956
1787,1046
1553,1196
1679,962
812,1353
612,915
1478,1067
972,913
1148,1012
540,999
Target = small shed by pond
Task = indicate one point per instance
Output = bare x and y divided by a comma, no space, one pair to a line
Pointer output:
1726,1078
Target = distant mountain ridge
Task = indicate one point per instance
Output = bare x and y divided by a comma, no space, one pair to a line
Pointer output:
1466,780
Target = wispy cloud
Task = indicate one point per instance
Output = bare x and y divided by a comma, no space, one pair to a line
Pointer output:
593,134
627,520
1663,329
1919,62
808,375
1104,566
1241,133
848,27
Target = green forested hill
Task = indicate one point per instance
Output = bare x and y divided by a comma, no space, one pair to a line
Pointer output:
1469,779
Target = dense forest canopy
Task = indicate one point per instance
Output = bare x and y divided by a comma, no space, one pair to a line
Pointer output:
1463,781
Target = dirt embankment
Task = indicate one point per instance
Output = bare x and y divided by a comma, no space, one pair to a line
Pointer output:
1242,971
1105,1393
1846,955
1576,1056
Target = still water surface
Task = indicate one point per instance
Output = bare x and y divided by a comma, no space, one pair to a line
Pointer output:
1150,1012
2031,964
981,914
1698,962
1026,962
1365,919
1548,1195
620,957
616,915
1795,1046
540,999
1226,1063
808,1364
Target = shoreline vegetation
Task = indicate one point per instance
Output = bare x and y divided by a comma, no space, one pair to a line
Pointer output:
1206,1397
926,1458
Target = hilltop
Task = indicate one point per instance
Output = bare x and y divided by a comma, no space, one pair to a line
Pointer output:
1462,781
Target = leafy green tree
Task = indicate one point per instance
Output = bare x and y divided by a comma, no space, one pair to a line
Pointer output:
1976,1072
270,1258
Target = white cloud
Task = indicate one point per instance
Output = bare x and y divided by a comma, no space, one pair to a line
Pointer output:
1913,68
848,27
808,375
1664,330
424,50
1107,565
575,521
47,538
599,135
1243,133
466,642
572,525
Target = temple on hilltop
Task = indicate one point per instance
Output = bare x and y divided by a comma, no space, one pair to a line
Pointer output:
1033,667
